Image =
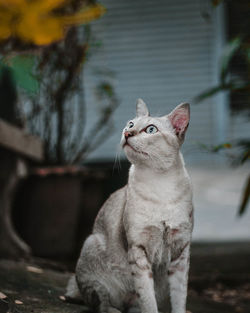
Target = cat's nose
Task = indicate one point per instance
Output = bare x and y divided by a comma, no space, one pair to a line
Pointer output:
128,134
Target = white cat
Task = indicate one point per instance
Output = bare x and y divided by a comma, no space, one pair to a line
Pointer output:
138,252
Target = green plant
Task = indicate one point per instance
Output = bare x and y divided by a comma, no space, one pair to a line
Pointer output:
236,82
50,72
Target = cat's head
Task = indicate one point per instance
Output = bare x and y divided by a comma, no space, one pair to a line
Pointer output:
155,141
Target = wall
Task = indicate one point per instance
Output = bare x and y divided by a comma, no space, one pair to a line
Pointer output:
165,52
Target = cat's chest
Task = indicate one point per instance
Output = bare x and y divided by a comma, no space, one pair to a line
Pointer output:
145,207
162,243
152,203
159,228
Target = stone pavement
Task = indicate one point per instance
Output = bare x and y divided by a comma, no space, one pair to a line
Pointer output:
219,283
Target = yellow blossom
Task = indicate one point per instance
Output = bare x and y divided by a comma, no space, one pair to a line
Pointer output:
35,22
227,145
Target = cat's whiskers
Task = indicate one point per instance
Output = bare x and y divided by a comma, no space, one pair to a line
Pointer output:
117,163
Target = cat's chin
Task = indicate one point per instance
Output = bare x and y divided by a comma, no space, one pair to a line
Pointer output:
134,155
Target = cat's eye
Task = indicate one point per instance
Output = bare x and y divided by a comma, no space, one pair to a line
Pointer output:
151,129
130,124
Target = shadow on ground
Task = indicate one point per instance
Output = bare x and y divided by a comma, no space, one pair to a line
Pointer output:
219,282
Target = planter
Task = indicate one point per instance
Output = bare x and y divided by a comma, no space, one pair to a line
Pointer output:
55,208
18,150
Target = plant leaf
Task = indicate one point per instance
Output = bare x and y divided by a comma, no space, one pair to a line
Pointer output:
2,296
36,22
209,92
215,3
245,197
84,16
232,85
22,67
231,48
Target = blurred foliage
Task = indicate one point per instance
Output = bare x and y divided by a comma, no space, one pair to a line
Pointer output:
49,21
239,150
216,148
234,77
57,112
102,127
228,80
245,197
41,22
45,48
8,92
21,67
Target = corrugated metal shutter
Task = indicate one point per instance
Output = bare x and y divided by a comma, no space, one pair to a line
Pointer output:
161,51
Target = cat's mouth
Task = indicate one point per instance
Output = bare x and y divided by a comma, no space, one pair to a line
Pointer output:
128,145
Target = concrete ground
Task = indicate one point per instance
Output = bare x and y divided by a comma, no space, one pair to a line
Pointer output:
220,262
217,194
219,283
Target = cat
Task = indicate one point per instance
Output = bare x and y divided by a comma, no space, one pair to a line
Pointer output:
138,252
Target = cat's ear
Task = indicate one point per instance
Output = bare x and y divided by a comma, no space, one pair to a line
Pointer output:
179,119
141,108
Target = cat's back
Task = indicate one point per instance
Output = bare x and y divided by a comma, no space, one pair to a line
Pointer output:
109,218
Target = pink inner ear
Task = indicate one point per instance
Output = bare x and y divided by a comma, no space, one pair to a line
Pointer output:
179,121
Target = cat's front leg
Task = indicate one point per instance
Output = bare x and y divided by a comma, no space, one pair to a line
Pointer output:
141,271
178,281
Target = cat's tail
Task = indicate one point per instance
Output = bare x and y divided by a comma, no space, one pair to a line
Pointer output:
72,291
95,295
